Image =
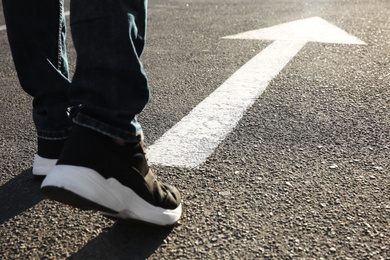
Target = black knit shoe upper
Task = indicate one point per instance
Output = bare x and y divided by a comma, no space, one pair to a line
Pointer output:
125,163
50,149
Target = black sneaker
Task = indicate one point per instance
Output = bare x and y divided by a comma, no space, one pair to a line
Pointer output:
47,156
96,173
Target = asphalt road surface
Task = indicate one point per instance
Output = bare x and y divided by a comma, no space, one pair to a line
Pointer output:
304,173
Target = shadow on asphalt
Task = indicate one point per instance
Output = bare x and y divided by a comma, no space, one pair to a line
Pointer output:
124,240
19,194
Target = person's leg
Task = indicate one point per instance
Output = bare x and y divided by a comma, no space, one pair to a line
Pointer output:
36,33
103,165
109,80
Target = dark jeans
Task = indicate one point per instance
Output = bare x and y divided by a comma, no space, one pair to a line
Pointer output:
109,88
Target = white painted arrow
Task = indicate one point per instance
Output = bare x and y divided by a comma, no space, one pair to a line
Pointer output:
192,140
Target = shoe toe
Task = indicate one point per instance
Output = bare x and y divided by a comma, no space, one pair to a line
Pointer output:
171,198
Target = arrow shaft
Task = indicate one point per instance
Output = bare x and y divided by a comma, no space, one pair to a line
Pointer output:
192,140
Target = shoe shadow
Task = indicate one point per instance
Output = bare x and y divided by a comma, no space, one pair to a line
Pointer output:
19,194
124,240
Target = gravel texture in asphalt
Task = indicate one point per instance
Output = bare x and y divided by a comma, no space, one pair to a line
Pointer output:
305,173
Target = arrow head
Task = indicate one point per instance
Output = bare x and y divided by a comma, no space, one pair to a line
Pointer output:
313,29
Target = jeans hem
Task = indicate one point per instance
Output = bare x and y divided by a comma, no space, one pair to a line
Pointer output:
53,135
108,130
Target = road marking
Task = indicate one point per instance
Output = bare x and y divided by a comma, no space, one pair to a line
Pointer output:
192,140
313,29
4,28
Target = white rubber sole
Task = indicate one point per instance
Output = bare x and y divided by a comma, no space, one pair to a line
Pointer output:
124,203
42,166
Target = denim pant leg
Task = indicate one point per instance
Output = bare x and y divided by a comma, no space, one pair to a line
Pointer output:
109,82
36,33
